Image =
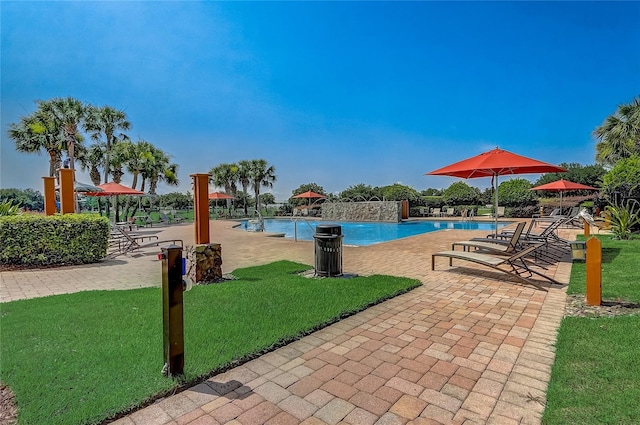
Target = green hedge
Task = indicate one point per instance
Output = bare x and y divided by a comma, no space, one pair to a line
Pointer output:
38,240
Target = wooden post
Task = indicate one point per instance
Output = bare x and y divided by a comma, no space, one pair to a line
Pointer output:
67,200
201,207
49,195
594,271
587,229
172,311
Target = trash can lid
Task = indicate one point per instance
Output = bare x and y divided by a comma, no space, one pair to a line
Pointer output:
328,229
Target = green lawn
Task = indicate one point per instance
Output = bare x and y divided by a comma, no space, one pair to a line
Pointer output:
81,358
596,375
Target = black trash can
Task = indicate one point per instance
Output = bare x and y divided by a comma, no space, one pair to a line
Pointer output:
328,250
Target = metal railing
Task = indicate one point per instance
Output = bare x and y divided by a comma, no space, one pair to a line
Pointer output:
295,227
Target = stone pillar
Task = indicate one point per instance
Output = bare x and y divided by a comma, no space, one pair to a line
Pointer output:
205,263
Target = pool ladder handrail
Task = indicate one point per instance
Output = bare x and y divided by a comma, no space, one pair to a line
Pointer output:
295,227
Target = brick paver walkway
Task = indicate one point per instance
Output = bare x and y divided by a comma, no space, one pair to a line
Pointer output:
468,346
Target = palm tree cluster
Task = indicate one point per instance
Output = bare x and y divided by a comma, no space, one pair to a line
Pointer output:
619,135
56,127
255,173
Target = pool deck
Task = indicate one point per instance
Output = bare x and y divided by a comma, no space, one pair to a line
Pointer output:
468,346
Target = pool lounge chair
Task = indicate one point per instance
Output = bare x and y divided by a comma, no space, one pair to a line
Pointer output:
436,212
122,242
514,265
493,245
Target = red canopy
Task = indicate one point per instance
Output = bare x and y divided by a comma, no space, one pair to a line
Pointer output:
494,163
220,195
112,188
563,186
309,195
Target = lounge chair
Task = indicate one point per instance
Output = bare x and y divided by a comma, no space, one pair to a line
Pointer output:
436,212
500,211
554,214
516,264
555,246
493,245
424,211
122,242
449,212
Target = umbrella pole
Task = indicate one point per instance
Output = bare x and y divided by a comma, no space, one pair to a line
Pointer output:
495,212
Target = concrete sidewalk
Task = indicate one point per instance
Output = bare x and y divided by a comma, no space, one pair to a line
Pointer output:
468,346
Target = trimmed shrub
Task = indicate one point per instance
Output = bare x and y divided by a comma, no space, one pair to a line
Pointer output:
37,240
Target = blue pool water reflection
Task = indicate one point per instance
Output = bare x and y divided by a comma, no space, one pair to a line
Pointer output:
367,233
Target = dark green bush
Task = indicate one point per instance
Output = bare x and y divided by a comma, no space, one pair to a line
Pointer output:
38,240
460,193
522,212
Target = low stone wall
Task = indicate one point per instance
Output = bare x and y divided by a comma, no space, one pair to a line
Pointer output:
389,211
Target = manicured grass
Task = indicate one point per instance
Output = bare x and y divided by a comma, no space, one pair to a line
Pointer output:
595,377
620,271
81,358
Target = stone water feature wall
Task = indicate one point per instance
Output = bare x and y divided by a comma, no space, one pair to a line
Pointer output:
389,211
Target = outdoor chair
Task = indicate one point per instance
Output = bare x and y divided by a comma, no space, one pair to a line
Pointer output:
554,246
554,214
514,265
435,212
500,212
424,211
449,212
123,242
493,245
176,217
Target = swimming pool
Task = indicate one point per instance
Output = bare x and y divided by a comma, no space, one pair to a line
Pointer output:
367,233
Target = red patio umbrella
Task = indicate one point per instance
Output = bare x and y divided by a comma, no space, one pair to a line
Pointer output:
309,195
112,188
220,195
494,163
563,186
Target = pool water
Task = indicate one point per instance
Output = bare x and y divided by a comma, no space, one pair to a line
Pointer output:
367,233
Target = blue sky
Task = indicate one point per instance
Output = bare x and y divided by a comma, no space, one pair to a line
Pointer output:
334,93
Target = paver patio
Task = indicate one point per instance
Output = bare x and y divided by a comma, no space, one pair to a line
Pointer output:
468,346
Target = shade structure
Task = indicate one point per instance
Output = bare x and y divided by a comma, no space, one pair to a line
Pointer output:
220,195
494,163
112,188
309,195
84,187
563,186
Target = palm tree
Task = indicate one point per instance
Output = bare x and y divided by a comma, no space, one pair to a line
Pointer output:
36,133
93,159
226,176
69,114
160,170
262,175
244,178
619,135
106,121
138,157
